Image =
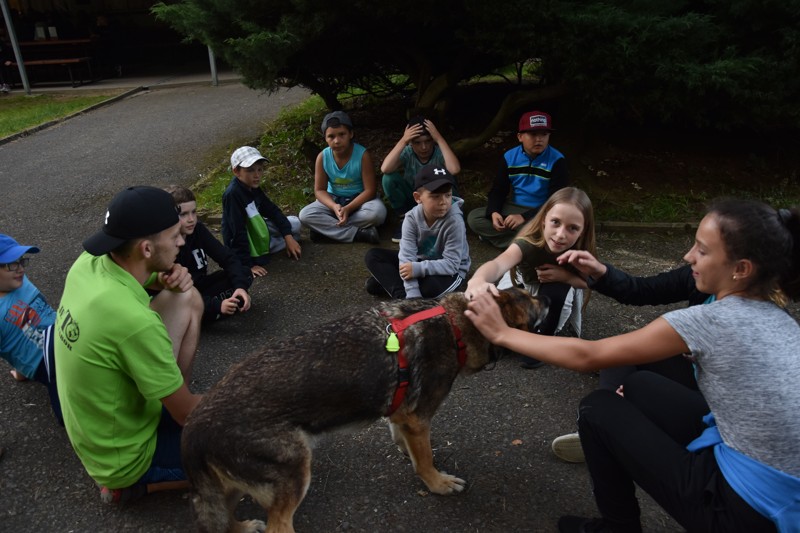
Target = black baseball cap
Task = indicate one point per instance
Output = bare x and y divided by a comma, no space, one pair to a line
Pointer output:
336,119
133,213
432,178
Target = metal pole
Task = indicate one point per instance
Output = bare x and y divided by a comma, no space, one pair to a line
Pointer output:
213,62
12,35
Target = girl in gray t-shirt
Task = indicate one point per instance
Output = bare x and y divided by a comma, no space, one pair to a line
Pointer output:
726,458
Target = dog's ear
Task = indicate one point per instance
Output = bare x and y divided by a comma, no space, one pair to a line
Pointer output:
521,310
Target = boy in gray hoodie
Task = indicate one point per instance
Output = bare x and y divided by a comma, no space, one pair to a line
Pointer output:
434,255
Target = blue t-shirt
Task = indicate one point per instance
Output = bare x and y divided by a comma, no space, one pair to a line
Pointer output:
347,181
25,316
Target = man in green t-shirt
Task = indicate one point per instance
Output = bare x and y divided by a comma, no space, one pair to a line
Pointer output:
122,360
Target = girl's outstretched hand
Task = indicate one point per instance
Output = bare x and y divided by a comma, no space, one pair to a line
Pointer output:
484,313
478,287
584,262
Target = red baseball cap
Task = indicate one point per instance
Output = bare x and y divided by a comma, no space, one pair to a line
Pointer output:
535,120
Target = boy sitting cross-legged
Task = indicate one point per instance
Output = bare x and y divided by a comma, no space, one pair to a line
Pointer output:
434,255
347,207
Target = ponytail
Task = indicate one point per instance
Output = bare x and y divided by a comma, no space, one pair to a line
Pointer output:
790,281
769,238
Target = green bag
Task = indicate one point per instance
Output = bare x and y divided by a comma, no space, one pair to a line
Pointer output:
257,231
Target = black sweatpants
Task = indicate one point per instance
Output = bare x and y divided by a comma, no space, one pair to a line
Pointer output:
214,288
384,265
556,294
642,439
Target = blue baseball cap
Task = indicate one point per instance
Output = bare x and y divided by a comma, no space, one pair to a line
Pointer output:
11,250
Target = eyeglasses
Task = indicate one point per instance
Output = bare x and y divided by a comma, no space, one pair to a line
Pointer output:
22,262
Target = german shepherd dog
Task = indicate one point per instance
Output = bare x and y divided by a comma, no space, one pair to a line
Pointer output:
253,432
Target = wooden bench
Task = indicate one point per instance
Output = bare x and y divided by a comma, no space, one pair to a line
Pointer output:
67,63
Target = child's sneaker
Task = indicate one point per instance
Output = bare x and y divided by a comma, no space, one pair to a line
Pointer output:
397,235
127,495
373,287
368,235
568,448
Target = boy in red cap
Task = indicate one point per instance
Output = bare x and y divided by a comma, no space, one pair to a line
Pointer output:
528,175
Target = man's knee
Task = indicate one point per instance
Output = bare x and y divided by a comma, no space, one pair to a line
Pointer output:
171,303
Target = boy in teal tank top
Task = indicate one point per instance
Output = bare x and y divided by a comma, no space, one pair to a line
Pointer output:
347,207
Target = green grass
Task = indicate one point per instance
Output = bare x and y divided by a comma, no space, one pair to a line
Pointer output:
292,141
19,113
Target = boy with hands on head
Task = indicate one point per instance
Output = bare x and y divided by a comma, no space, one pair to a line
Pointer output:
420,145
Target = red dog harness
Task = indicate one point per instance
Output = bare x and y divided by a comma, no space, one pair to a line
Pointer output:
398,327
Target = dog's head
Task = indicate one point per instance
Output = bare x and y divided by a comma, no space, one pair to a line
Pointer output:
521,310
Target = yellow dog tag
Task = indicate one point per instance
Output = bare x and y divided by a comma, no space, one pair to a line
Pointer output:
392,344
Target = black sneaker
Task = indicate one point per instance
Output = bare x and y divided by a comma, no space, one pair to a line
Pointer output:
373,287
368,235
315,236
398,234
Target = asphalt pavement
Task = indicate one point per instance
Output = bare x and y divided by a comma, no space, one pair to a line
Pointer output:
494,430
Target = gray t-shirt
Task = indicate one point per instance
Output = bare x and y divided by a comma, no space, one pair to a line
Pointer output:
747,357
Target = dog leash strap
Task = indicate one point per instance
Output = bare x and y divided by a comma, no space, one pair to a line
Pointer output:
462,347
400,325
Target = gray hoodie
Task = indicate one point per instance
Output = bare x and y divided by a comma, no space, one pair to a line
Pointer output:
440,249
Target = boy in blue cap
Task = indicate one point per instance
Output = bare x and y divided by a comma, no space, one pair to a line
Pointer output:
26,326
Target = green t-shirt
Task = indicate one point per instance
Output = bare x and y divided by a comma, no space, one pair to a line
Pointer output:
114,363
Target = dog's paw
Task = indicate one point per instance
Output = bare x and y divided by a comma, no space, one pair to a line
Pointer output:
447,484
401,447
251,526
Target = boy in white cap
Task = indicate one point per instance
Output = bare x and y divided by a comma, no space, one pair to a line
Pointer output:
347,207
252,225
529,173
123,362
26,321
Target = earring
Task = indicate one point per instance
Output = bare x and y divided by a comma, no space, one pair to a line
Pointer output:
735,277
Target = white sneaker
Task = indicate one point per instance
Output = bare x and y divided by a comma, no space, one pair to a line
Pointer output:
568,448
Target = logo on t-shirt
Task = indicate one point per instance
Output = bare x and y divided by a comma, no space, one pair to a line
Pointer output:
68,330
